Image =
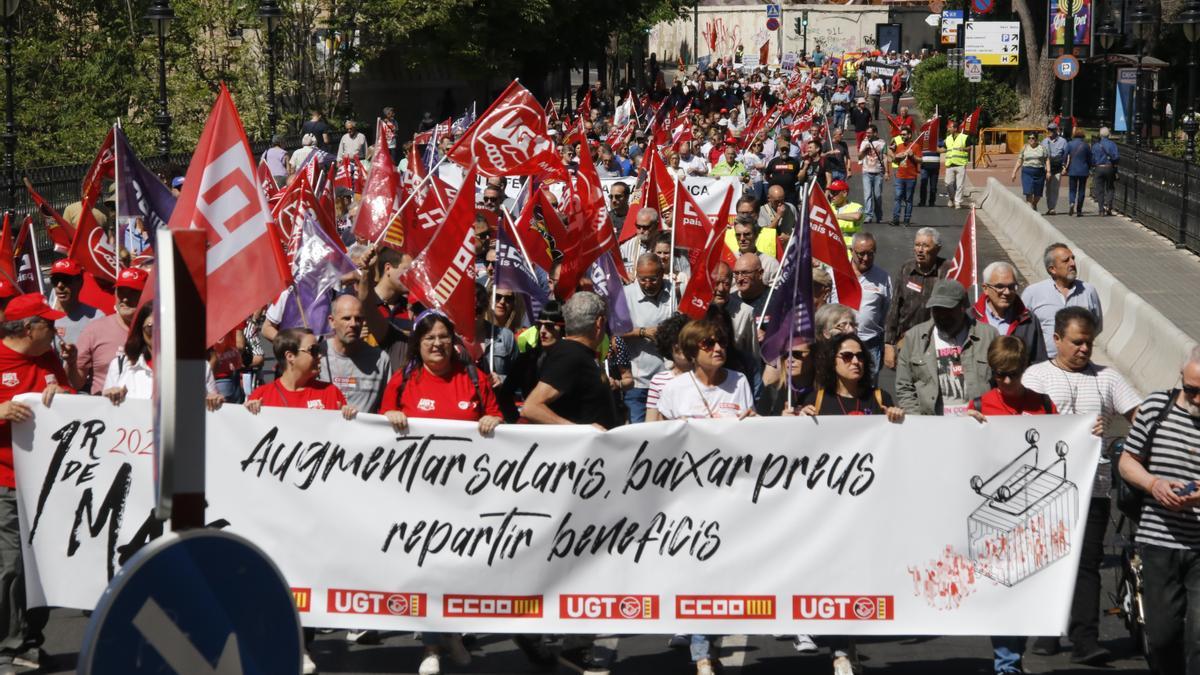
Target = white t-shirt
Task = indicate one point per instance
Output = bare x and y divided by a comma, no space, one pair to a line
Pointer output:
686,398
695,166
138,377
875,86
657,383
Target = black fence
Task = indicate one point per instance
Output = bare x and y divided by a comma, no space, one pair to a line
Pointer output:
1160,192
61,185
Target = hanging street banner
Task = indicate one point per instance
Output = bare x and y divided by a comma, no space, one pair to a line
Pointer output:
822,525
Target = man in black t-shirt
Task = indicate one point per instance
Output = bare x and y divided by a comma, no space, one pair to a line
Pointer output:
782,170
572,389
320,129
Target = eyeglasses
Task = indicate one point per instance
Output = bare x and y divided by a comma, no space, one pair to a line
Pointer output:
435,339
1002,287
313,351
1007,374
864,254
742,274
743,235
847,357
709,343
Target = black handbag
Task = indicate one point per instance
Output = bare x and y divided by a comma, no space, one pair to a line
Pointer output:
1129,497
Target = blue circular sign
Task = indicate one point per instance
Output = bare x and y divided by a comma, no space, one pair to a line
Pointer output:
1066,67
983,6
203,601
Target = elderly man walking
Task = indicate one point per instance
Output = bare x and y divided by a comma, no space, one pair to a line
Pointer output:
649,300
911,288
1001,308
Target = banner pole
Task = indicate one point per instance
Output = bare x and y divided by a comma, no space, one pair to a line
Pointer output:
400,209
671,257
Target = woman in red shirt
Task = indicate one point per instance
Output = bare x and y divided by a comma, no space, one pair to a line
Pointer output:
438,382
298,386
1008,358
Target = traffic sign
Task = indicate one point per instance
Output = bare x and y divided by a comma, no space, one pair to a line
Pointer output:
772,23
1066,67
205,601
994,43
983,6
951,21
973,71
773,12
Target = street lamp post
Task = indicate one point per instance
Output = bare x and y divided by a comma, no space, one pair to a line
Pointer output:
1189,19
1143,24
10,125
160,14
271,14
1108,35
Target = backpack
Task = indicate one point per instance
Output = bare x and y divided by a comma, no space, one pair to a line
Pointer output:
1129,498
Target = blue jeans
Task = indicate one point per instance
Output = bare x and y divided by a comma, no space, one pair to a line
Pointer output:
231,389
837,175
873,193
1078,188
904,196
1006,654
874,347
700,648
635,400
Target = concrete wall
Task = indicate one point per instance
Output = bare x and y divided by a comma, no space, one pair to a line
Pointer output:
836,28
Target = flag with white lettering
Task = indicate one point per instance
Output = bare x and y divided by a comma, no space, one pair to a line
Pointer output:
964,268
829,247
509,139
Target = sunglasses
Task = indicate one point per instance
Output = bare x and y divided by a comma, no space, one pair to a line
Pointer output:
1190,390
709,343
1002,287
1007,374
549,325
800,354
644,228
847,357
504,298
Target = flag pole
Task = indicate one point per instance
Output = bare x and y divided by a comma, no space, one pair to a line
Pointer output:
795,288
786,249
974,257
671,257
37,265
299,305
117,239
492,346
396,214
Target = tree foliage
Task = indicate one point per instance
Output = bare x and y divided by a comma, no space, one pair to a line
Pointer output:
937,86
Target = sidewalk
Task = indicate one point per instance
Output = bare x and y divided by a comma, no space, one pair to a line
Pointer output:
1150,265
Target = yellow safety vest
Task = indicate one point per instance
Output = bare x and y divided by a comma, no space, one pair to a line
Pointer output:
849,227
765,243
896,141
956,150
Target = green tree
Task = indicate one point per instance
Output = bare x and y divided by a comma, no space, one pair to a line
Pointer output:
937,87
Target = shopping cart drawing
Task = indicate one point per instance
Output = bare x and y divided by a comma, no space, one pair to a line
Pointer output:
1024,524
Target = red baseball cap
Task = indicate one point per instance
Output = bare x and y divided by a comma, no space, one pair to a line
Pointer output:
7,289
29,305
838,186
66,266
133,277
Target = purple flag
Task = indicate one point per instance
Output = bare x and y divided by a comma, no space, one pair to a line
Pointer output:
141,197
789,310
317,270
513,272
607,282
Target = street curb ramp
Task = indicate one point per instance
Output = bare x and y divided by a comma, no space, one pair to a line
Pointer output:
1142,343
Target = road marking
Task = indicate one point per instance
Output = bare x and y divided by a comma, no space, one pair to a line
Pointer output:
179,652
736,643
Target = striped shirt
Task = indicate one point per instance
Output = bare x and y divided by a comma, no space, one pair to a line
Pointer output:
1175,455
657,382
1095,390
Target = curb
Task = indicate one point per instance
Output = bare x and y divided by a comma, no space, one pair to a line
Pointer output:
1142,343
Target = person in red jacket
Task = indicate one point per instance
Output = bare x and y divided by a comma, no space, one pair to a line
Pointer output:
1008,358
437,381
28,365
298,386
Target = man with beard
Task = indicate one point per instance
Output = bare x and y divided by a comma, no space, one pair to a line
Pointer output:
101,339
1160,459
1062,289
943,362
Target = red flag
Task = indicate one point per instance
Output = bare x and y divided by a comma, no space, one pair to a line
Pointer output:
551,220
443,274
246,268
589,230
964,268
57,228
551,112
379,200
930,131
350,174
688,220
28,277
422,220
104,166
970,125
584,111
699,292
92,246
529,239
510,139
681,132
92,294
7,266
829,247
266,181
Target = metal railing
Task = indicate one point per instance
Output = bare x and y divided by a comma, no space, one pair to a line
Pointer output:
1162,193
61,185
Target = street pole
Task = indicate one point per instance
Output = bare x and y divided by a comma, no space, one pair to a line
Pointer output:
272,113
1190,126
1137,125
696,32
1068,87
160,14
10,127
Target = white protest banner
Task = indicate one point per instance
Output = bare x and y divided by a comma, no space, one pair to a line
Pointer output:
453,175
828,525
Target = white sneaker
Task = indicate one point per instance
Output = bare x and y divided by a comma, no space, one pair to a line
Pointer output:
308,668
363,637
430,665
457,651
805,645
704,667
842,666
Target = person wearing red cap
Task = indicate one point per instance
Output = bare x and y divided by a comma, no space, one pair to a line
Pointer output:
849,214
28,364
66,278
102,339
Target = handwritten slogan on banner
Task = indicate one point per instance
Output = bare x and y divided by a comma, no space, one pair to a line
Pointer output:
768,525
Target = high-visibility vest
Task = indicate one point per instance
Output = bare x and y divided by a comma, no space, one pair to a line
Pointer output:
849,227
956,150
896,141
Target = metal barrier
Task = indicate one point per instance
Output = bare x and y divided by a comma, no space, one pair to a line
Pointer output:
1160,192
61,185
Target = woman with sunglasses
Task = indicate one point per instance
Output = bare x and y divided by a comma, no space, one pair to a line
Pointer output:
798,363
844,382
491,328
709,389
1034,164
131,373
